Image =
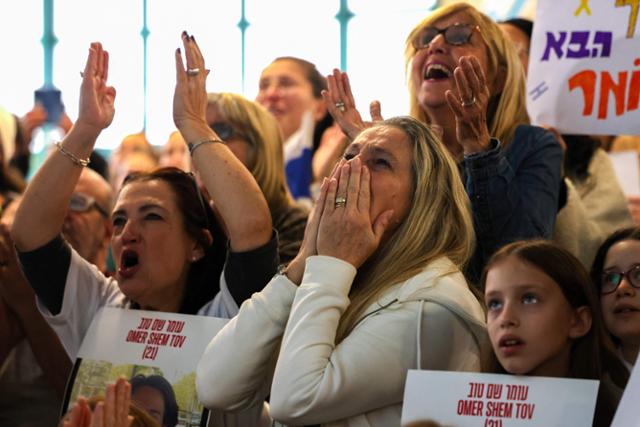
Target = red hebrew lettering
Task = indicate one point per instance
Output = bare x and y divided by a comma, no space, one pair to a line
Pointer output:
175,326
158,324
608,85
476,390
634,88
144,323
585,80
494,391
517,392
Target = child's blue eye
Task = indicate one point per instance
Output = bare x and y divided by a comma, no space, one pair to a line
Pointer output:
529,299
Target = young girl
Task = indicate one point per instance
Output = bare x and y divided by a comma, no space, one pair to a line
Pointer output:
544,319
616,274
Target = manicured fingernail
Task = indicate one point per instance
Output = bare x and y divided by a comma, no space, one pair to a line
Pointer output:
184,34
193,39
178,50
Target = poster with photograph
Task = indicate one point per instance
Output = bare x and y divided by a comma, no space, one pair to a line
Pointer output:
157,352
584,67
468,399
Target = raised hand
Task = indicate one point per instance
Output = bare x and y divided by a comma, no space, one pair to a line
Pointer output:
308,248
470,104
96,98
346,230
340,103
113,412
190,95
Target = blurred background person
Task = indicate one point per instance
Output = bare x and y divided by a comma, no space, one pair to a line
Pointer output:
290,88
253,135
175,153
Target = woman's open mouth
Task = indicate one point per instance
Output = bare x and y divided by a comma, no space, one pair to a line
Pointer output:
437,72
129,263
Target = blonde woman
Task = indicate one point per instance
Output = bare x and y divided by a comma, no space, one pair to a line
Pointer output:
375,290
254,136
466,81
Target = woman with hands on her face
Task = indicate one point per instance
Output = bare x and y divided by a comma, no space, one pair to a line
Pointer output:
466,82
162,229
373,292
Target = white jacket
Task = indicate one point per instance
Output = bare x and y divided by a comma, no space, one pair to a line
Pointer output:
431,321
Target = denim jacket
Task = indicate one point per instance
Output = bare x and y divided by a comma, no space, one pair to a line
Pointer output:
513,191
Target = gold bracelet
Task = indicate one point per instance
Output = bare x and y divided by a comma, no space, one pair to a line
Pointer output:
194,145
80,162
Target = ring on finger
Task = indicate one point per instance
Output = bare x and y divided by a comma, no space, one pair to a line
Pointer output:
193,71
340,202
340,106
470,102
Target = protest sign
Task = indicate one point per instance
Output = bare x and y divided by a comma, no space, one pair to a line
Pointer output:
141,343
628,413
584,67
466,399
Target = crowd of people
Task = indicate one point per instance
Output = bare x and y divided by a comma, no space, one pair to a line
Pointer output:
344,251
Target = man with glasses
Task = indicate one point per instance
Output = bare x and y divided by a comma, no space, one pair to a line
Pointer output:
30,389
87,225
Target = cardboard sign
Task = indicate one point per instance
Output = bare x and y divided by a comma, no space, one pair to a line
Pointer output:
628,413
627,169
584,67
133,343
465,399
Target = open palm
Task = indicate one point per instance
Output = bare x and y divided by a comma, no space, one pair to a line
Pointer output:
96,98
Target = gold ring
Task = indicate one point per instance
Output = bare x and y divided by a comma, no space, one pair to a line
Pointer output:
340,202
468,103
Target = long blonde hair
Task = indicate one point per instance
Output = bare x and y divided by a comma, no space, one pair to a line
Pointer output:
438,224
263,134
507,108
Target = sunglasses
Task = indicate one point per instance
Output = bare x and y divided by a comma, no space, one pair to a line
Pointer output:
612,279
225,131
455,35
81,202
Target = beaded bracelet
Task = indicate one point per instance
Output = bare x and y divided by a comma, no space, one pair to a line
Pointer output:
193,146
71,156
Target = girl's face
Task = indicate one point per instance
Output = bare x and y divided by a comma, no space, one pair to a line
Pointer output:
530,322
621,308
151,248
